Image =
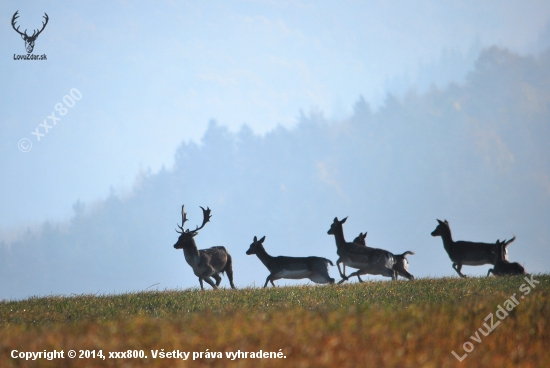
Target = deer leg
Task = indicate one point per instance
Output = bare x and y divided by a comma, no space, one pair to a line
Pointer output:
210,282
342,275
267,280
489,272
229,270
200,280
458,267
405,274
217,278
356,273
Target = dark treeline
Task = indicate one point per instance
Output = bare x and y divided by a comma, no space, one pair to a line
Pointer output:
475,153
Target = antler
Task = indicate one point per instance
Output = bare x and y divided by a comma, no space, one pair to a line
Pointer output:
43,25
183,219
34,34
206,217
15,16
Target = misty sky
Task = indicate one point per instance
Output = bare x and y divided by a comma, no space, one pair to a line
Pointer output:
153,74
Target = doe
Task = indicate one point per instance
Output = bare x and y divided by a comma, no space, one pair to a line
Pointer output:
401,265
367,260
503,267
281,267
469,253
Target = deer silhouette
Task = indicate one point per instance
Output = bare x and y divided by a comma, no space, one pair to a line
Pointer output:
502,266
208,262
401,265
367,260
281,267
470,253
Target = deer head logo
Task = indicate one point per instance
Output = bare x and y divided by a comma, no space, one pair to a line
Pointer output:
29,40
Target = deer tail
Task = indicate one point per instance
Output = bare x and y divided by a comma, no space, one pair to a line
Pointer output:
407,252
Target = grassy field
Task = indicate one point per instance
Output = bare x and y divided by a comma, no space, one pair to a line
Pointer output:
373,324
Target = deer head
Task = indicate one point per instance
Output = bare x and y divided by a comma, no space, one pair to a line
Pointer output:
336,225
442,229
29,40
361,239
186,237
255,246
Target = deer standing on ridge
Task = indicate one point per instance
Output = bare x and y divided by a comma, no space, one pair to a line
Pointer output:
368,260
470,253
208,262
281,267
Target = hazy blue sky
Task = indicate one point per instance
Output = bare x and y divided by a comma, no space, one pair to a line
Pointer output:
153,74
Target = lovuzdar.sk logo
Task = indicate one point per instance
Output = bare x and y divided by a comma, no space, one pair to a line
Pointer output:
29,40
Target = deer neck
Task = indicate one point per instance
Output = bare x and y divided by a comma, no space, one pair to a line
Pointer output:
447,238
263,256
339,238
191,251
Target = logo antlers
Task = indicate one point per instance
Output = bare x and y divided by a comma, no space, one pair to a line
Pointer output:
29,40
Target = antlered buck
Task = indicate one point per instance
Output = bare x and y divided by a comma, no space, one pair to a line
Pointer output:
206,263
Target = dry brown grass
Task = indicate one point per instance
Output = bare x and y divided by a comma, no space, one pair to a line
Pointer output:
378,324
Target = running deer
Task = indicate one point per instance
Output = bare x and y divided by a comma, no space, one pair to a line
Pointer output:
367,260
469,253
503,267
401,265
281,267
206,263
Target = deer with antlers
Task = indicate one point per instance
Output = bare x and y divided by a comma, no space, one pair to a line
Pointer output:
29,40
206,263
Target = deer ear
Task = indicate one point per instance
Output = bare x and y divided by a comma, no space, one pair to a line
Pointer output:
255,239
440,222
447,222
344,220
262,239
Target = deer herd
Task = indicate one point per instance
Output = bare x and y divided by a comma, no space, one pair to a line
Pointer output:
209,263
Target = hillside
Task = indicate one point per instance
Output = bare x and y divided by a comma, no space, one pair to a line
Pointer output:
391,324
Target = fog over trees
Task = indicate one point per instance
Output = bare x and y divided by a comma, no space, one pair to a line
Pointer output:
475,153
